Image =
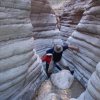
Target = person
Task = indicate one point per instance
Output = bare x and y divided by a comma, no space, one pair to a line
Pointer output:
57,52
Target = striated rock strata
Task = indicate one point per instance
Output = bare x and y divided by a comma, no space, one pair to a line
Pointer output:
72,14
21,72
87,37
44,25
92,91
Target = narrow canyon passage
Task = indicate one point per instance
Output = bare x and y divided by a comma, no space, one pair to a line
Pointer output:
29,27
55,5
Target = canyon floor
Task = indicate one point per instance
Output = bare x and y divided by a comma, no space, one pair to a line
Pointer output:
47,87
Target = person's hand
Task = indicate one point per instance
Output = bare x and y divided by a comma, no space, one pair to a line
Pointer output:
74,48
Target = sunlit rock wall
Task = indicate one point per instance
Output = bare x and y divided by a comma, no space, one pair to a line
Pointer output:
21,72
73,12
44,25
87,38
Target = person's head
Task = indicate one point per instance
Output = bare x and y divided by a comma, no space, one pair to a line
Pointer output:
58,48
58,45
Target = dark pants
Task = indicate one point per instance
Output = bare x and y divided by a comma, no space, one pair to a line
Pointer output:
47,67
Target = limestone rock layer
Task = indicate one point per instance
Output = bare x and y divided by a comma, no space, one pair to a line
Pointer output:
44,25
92,91
14,19
87,38
21,71
72,14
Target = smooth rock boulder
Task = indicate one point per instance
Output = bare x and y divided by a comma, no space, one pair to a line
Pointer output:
62,79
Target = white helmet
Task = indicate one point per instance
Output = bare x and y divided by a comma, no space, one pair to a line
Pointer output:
58,45
58,48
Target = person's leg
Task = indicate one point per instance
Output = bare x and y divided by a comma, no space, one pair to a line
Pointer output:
63,62
57,66
72,72
47,67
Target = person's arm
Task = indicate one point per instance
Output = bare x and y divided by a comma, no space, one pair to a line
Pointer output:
72,47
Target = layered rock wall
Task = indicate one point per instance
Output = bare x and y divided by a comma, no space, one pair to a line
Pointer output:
92,91
72,14
44,25
21,72
87,37
14,19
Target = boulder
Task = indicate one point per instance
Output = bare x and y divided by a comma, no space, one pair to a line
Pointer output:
62,79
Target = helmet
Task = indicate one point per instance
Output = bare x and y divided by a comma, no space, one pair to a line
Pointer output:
58,48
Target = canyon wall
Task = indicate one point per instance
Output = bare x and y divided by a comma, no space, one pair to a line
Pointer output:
44,25
87,38
92,91
72,14
21,71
